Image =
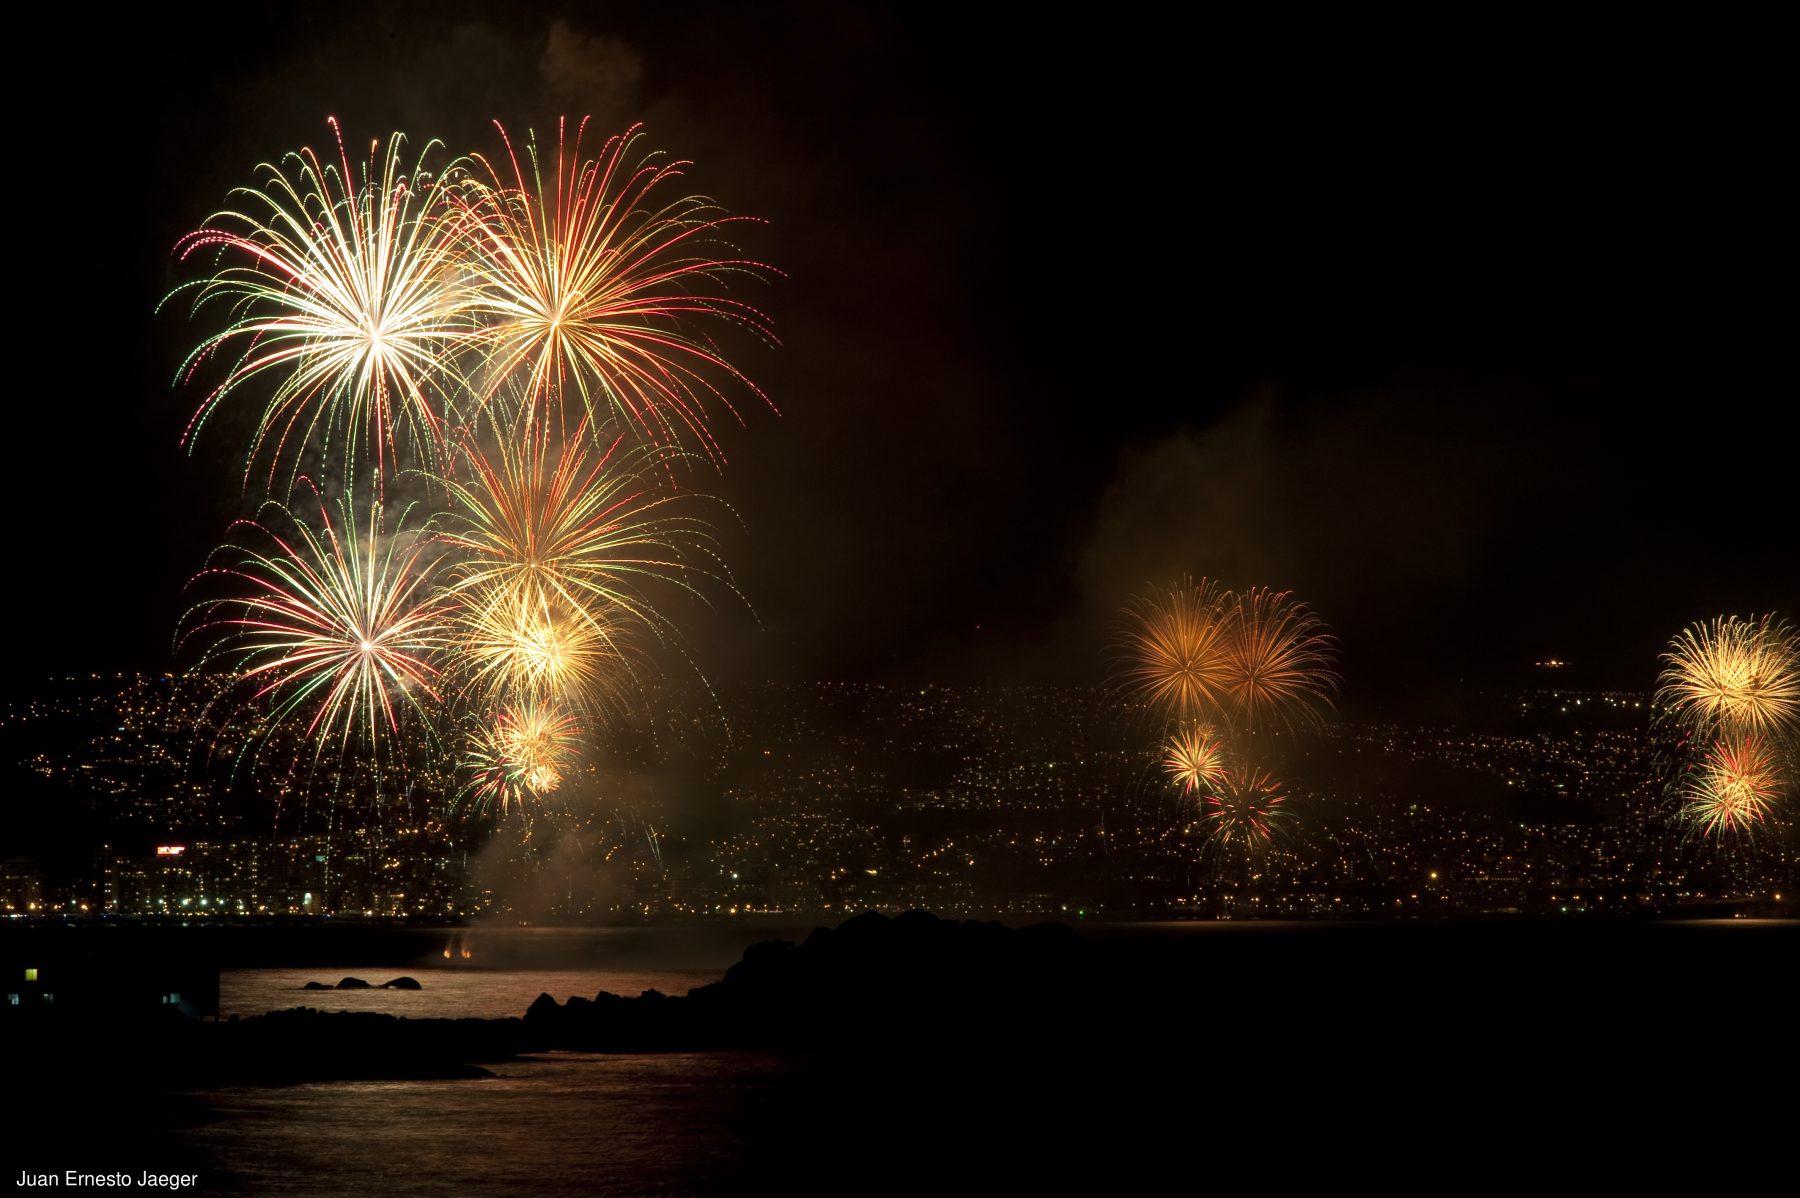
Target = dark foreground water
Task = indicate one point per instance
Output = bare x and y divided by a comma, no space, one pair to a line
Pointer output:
1282,1055
559,1124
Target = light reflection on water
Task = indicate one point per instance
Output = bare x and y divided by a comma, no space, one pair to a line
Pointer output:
446,993
496,972
561,1123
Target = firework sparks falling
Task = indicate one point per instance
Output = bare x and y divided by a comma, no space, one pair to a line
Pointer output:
1194,758
1734,787
1279,661
1733,676
591,284
1176,642
339,628
346,294
523,755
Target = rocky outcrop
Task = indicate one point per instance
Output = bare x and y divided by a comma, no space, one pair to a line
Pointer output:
399,983
872,980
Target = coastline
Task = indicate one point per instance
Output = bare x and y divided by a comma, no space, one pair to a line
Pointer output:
916,984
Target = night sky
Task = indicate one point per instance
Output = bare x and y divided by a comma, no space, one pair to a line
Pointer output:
1477,337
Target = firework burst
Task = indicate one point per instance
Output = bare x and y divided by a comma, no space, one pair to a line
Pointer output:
1734,786
1278,663
522,756
1176,643
532,337
337,627
522,643
585,528
1194,758
347,294
1245,807
1732,675
591,284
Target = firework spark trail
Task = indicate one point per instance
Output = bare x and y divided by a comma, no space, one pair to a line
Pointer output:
338,628
349,296
1732,675
1734,787
591,284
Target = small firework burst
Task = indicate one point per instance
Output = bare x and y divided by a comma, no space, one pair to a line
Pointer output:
521,642
1194,758
1733,787
522,756
1245,807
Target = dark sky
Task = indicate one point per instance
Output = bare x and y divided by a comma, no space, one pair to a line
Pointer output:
1477,336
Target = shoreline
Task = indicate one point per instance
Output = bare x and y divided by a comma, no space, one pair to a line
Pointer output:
939,989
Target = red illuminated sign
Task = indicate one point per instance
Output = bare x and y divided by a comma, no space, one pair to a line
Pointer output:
170,850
